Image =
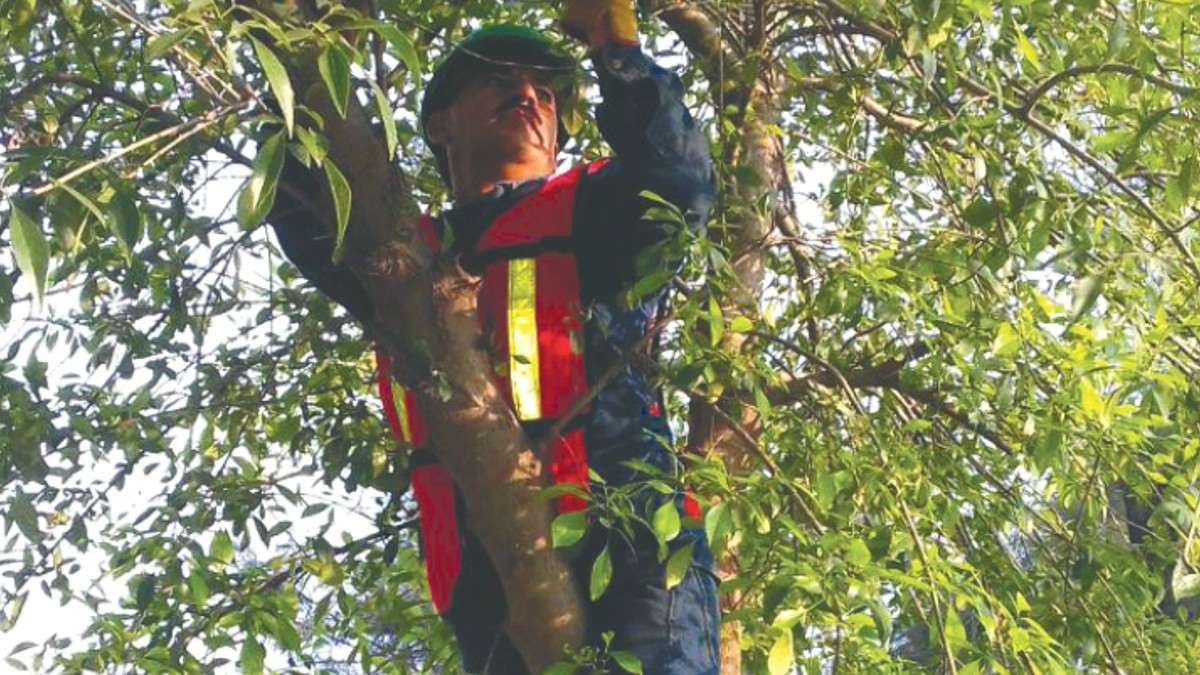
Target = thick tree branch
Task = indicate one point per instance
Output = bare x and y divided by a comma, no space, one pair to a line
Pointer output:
885,375
699,34
931,399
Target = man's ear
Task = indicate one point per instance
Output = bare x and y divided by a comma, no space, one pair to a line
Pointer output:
435,129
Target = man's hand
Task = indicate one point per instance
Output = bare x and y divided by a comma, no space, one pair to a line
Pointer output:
598,22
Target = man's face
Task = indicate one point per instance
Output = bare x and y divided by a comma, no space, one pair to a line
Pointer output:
500,114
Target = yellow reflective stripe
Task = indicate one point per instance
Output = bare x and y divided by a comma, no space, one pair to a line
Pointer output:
400,401
523,339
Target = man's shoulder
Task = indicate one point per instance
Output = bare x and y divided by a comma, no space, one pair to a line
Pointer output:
596,171
590,168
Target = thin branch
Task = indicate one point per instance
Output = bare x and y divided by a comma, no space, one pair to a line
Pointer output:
931,399
864,26
885,374
820,31
101,90
198,72
938,615
1031,99
1090,161
204,121
770,463
1025,113
41,82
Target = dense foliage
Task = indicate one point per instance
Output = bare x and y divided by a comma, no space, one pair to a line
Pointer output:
947,318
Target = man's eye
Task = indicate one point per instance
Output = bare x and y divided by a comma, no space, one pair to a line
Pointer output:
545,94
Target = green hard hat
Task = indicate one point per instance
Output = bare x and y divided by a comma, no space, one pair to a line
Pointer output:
498,45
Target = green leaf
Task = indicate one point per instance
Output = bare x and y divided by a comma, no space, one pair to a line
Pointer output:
857,553
656,199
198,587
1007,342
1116,37
979,213
341,204
125,222
929,66
258,196
628,662
1179,186
222,548
939,33
327,569
716,321
288,636
143,595
666,522
717,523
253,657
601,574
741,324
1086,293
1021,604
647,286
12,611
568,528
22,513
677,566
781,657
956,634
1027,49
387,118
1092,402
89,204
335,70
164,42
403,46
31,248
281,86
313,148
1113,140
915,426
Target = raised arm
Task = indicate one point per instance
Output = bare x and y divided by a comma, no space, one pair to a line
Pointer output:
657,143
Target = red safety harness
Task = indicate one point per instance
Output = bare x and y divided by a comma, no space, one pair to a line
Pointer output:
532,316
531,313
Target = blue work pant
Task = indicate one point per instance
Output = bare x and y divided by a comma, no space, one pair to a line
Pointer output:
672,632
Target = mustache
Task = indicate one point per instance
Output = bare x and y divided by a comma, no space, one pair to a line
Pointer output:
518,101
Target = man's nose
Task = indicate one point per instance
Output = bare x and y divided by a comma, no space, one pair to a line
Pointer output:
524,87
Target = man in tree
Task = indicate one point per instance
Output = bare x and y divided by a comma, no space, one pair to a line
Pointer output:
567,301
